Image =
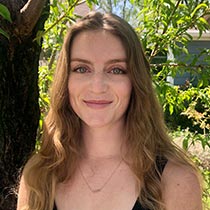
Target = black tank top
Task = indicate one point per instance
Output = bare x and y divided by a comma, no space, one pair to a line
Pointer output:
161,162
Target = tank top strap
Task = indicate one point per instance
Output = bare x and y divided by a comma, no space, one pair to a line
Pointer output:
161,162
54,208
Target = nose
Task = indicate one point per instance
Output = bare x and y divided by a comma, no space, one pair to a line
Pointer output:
98,82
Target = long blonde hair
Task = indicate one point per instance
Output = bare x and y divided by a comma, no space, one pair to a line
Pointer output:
147,136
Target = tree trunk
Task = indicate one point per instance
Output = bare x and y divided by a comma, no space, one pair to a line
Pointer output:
19,109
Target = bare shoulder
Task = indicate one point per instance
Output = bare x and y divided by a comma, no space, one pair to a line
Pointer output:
181,188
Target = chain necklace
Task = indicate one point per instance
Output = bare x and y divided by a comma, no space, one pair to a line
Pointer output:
104,184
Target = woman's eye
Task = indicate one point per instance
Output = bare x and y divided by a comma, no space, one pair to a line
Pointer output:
80,69
117,71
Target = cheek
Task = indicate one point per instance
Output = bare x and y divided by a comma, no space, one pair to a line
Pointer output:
73,100
124,94
75,90
126,89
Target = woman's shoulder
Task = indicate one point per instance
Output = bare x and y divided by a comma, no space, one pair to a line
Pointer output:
181,187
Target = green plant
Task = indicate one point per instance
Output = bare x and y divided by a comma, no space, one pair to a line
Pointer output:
199,110
4,12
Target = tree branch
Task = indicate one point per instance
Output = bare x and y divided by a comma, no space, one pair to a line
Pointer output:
29,15
155,50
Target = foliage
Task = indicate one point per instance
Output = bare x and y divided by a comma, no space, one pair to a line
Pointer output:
200,97
165,23
5,14
124,8
185,107
164,29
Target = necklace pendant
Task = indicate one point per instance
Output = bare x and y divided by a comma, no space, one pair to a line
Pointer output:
96,190
106,181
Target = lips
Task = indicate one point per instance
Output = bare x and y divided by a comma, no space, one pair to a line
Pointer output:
97,104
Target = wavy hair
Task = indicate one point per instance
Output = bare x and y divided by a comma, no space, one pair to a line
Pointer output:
147,136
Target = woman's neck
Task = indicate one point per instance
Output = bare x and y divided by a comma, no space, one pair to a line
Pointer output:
106,142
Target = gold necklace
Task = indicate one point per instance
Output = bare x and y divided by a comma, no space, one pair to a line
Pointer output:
104,184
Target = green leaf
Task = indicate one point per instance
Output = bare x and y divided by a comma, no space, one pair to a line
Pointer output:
185,50
198,8
203,20
39,36
200,83
185,144
171,109
5,13
90,3
4,33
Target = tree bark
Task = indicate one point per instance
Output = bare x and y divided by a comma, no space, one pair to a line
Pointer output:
19,109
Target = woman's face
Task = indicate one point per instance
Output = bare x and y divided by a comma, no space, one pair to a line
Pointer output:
99,85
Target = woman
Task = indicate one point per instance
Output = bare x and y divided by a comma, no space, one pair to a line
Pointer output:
105,145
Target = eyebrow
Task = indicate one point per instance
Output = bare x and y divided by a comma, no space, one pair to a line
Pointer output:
117,60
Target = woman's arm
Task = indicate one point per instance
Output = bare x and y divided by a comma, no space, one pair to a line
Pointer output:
181,188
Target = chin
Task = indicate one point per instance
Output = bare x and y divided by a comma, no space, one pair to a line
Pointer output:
96,123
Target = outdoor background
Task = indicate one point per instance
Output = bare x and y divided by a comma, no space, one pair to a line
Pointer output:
175,35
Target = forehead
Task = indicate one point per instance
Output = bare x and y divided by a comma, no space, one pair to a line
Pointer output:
97,43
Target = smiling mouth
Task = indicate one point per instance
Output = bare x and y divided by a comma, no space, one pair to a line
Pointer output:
97,103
